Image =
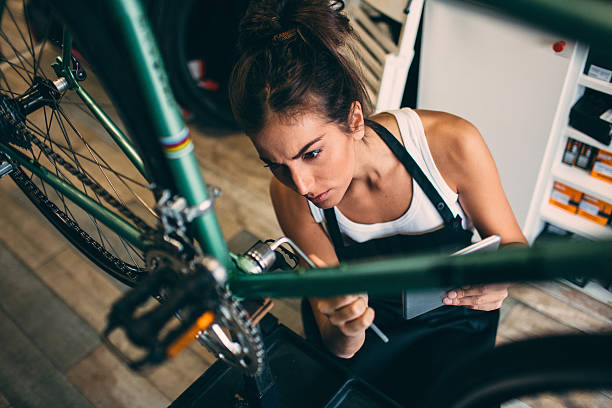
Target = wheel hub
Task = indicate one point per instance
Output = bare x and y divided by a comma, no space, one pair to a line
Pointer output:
13,111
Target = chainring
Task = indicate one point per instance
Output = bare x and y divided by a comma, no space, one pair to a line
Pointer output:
233,338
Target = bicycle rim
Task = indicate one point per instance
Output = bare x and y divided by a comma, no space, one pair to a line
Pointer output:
65,138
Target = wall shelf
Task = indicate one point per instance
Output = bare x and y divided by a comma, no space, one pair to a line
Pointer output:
574,223
584,138
581,180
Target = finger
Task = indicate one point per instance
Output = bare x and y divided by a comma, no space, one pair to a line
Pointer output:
349,312
475,300
487,307
330,305
317,261
477,290
359,325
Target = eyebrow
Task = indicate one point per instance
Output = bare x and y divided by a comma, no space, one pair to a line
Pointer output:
300,153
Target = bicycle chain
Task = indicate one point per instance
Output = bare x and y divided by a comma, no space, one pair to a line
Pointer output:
93,185
250,357
21,179
22,137
19,135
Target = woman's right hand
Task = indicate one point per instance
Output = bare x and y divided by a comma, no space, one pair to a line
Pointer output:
347,318
350,314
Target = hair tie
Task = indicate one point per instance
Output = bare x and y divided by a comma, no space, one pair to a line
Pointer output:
284,35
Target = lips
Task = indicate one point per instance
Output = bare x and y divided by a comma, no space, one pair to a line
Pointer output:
320,198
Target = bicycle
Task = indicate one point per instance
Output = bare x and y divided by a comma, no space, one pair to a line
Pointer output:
164,238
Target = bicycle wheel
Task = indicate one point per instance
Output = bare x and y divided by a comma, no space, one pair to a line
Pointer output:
198,42
57,132
528,367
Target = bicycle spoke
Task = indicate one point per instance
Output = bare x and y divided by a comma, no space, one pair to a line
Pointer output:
76,162
26,17
18,56
15,68
67,140
8,87
102,170
25,42
121,176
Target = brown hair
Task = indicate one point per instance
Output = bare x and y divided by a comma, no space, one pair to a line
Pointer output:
295,58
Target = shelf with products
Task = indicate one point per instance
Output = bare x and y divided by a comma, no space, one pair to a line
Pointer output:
574,157
574,223
594,83
580,179
584,138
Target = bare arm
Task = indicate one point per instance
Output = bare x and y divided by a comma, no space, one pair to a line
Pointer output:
466,164
342,320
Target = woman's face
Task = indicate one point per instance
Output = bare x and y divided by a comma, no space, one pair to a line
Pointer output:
311,156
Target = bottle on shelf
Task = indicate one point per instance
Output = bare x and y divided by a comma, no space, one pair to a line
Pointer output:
571,151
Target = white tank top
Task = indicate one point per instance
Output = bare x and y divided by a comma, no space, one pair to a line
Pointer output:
421,216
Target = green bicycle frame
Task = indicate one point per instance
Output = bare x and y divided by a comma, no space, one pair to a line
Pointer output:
168,125
176,149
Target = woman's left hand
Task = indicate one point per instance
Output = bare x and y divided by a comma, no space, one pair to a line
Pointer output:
478,297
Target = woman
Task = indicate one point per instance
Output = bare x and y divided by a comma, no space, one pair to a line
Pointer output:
349,187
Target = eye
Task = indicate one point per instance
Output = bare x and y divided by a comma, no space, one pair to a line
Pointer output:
311,155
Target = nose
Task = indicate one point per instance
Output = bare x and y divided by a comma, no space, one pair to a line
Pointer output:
301,180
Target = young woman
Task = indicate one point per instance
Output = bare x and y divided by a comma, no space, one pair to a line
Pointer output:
349,186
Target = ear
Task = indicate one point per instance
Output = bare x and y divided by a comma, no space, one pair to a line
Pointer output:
356,121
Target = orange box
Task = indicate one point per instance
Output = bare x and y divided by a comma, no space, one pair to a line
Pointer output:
594,210
602,167
565,197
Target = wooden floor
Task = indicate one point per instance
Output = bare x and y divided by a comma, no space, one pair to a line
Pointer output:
53,303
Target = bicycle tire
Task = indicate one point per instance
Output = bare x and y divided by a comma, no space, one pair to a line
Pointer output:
52,138
528,367
205,34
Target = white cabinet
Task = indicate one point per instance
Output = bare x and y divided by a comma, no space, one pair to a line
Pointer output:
508,80
501,75
553,169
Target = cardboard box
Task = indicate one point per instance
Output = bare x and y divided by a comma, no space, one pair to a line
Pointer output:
602,167
594,209
565,197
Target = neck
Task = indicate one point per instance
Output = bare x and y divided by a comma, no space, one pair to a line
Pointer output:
372,162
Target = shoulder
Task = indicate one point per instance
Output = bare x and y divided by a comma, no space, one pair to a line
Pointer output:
454,143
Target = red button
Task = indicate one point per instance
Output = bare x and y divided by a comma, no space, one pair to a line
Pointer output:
559,46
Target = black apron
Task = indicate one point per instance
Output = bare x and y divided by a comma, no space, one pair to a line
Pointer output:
420,348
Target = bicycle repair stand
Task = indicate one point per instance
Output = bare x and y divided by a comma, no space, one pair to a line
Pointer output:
298,376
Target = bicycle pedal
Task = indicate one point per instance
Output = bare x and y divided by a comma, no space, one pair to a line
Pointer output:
5,168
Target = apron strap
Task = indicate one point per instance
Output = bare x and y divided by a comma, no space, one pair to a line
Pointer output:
334,231
454,222
415,171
